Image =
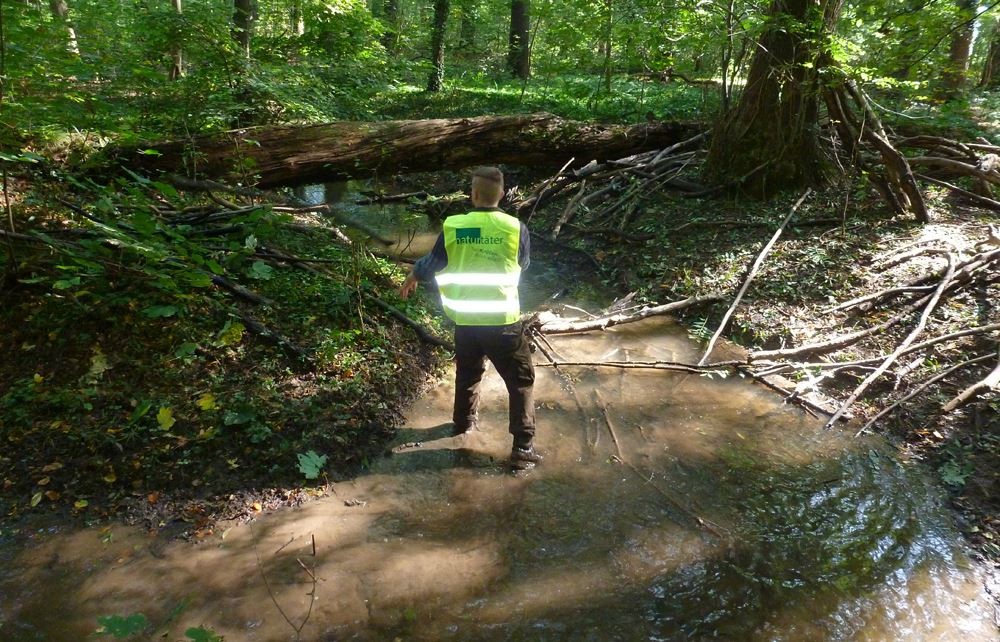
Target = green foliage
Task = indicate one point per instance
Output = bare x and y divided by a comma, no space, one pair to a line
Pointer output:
957,466
311,464
122,627
202,634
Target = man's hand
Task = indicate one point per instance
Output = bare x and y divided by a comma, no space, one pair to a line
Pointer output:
409,286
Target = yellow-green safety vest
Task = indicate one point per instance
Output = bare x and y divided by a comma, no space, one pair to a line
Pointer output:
479,284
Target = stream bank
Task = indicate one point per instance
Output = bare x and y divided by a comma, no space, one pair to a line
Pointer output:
578,513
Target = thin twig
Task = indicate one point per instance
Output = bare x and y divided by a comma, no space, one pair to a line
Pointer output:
919,389
990,382
753,272
945,282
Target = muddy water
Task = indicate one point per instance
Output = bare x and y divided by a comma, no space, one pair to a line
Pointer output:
668,507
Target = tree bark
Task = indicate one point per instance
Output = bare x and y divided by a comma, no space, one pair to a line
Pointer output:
606,43
467,29
991,66
296,19
336,151
176,49
776,119
390,39
436,80
953,75
244,16
517,55
60,11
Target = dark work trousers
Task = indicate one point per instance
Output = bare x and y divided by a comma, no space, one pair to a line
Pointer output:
507,349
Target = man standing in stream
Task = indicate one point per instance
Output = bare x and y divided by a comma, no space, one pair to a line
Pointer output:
477,262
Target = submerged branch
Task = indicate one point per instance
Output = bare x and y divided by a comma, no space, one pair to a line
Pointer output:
555,325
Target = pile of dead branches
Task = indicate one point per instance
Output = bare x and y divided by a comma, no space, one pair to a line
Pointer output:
614,188
902,316
943,160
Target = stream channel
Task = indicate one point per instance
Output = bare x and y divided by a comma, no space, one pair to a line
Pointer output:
669,507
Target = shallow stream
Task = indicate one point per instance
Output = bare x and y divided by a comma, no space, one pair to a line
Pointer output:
668,507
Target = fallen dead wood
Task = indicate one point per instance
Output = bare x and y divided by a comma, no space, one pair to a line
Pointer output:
789,394
919,389
238,290
647,167
391,198
425,335
673,366
910,338
705,524
981,267
990,382
340,218
758,262
269,335
895,179
978,199
556,325
299,155
834,365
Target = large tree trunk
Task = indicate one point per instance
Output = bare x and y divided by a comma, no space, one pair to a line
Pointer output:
772,135
176,50
390,39
517,54
436,80
954,74
296,18
606,43
991,66
467,28
60,11
325,153
244,16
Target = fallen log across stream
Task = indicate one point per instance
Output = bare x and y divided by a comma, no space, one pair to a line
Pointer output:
299,155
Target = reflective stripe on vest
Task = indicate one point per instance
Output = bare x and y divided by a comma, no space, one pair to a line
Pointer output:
479,284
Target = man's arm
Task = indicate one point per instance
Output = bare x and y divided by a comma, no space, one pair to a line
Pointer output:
425,268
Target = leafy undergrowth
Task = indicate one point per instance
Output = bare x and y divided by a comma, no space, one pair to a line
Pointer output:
131,383
830,253
573,97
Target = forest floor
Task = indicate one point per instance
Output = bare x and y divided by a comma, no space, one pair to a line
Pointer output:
122,399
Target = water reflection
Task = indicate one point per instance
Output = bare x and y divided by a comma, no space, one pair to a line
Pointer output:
668,507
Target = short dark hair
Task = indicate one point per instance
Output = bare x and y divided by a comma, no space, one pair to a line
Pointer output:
490,183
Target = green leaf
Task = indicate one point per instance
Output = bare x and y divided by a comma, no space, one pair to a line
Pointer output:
231,334
122,627
197,278
166,189
140,411
262,271
98,365
160,311
150,152
143,223
165,417
207,401
65,284
201,634
250,243
185,350
311,464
